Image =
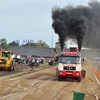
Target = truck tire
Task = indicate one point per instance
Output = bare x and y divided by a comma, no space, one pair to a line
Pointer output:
59,78
11,67
79,79
83,73
57,71
1,68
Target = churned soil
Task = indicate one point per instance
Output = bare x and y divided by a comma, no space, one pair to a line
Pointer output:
19,68
44,85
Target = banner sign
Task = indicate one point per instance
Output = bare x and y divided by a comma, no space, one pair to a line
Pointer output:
28,41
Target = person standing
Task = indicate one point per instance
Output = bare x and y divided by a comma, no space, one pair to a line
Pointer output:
32,63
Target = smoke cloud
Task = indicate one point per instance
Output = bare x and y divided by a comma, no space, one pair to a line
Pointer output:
81,23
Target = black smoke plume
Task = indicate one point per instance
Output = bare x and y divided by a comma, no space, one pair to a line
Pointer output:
81,23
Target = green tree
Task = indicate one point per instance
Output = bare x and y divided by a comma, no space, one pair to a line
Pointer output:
58,45
44,45
36,44
31,44
3,42
13,44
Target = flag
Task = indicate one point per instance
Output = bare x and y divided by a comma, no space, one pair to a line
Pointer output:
78,95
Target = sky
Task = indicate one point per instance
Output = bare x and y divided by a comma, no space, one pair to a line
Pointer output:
30,19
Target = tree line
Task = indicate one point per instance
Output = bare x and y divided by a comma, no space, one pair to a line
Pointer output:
5,45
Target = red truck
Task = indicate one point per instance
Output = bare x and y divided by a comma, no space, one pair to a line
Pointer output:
70,65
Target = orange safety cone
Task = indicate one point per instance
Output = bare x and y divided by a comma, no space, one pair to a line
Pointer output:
94,70
98,75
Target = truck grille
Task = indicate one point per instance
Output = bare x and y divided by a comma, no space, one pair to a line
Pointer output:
3,61
69,68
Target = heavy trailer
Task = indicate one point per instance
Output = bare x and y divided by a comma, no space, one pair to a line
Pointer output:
6,60
70,65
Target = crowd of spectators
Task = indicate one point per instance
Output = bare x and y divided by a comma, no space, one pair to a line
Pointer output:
29,60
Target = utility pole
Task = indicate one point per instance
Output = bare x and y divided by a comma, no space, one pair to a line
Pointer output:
0,47
51,45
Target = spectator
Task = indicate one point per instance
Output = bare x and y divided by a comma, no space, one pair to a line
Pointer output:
83,59
30,58
32,63
52,61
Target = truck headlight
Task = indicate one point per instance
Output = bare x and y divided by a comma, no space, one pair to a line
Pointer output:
61,73
77,73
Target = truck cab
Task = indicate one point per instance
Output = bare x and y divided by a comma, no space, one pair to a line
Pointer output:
70,65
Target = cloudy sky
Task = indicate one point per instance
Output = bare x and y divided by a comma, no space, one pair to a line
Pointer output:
30,19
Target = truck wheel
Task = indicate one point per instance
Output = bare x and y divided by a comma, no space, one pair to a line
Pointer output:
79,79
10,68
1,68
83,73
59,78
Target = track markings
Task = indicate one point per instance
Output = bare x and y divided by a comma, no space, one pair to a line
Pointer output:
31,73
96,79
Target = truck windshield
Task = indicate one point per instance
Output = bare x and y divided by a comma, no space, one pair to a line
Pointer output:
70,60
5,54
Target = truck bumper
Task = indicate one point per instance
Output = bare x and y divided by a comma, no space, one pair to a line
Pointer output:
69,74
4,66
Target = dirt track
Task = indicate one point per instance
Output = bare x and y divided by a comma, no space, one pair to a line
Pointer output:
43,85
19,68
